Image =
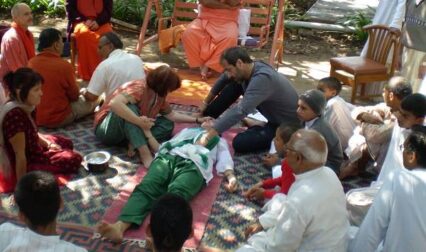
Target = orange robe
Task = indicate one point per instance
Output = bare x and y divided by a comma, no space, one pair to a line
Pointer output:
87,48
79,11
209,35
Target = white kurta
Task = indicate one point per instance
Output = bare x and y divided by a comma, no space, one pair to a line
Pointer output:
390,13
312,217
120,67
397,217
393,161
19,239
338,114
422,88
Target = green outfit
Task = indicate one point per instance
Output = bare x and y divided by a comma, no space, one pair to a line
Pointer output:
115,130
167,174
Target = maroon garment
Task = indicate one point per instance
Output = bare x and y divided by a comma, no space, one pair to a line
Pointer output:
62,161
284,182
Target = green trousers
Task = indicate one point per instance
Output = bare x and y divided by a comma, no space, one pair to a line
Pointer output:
167,174
114,130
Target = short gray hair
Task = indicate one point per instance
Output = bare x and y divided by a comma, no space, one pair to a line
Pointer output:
311,152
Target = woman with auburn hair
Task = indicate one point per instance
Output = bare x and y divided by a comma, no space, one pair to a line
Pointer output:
130,114
23,148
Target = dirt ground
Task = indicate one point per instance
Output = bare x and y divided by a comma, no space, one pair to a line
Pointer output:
306,56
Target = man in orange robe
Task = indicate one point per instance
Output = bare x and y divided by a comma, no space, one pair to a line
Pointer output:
88,20
215,30
17,45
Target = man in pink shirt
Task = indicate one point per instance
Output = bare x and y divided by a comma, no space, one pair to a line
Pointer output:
17,45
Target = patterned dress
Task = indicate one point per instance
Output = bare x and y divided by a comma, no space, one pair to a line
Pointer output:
62,161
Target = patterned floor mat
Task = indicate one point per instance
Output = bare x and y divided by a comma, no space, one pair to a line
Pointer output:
87,196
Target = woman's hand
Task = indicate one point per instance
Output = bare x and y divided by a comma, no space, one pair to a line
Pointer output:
204,119
145,123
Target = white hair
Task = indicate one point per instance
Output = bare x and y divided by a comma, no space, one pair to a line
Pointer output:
310,151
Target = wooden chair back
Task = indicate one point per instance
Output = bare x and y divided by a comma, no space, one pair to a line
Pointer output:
380,42
261,16
183,12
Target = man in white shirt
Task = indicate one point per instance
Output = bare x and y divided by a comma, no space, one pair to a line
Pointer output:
38,198
117,68
412,112
370,139
181,166
396,219
313,215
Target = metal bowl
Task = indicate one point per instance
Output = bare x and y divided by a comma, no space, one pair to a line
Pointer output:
97,161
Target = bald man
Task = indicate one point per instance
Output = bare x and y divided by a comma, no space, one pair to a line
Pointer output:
17,45
312,217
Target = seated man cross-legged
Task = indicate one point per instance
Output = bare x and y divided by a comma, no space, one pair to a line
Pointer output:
182,167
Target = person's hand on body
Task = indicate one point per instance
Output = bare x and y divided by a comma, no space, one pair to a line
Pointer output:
94,26
145,123
207,124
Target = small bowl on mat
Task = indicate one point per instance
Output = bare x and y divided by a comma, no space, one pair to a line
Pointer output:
97,161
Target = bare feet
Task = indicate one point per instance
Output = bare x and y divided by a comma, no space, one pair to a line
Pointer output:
131,151
205,74
145,155
113,232
350,170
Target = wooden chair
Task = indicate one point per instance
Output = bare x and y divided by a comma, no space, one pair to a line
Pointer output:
183,13
359,71
260,22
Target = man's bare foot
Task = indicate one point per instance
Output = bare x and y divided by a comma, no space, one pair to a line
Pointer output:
350,170
113,232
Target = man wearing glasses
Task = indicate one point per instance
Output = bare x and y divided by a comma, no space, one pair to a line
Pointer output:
117,68
313,215
397,217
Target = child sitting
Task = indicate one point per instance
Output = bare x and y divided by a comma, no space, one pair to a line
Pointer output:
337,111
38,198
310,111
265,189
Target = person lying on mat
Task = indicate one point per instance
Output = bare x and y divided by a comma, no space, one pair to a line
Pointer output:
170,224
130,114
38,198
183,167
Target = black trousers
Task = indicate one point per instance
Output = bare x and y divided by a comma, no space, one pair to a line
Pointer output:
255,138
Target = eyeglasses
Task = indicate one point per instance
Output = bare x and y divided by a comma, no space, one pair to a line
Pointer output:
287,149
